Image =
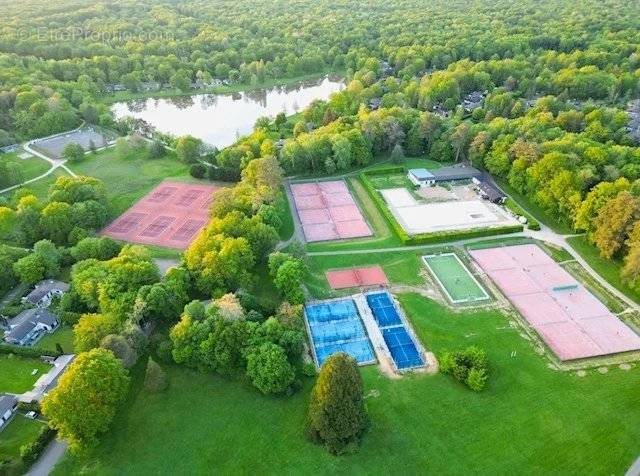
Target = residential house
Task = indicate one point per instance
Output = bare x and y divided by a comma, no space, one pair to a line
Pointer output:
45,291
29,326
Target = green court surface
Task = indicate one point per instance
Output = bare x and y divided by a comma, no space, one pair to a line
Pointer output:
454,278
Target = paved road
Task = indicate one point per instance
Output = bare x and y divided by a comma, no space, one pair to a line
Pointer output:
634,470
48,459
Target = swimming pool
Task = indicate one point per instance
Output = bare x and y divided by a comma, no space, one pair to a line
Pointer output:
400,343
335,326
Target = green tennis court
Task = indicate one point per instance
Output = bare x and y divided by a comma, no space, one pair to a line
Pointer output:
454,278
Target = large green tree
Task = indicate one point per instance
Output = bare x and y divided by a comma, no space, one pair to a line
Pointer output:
84,402
337,415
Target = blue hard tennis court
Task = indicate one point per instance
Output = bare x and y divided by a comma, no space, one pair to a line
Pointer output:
335,326
403,349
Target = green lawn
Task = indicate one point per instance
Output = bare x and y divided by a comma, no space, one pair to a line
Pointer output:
284,211
19,432
15,373
608,269
129,178
530,420
30,168
41,187
62,336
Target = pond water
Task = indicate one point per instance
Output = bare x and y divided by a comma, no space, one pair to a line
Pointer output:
219,119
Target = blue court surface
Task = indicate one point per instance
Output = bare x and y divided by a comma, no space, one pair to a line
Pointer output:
403,349
336,327
383,309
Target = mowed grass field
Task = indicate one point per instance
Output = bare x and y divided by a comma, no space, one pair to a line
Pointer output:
19,432
15,373
530,420
30,167
63,336
129,178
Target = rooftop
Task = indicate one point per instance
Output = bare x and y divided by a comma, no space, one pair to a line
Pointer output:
24,322
44,287
456,173
7,402
421,174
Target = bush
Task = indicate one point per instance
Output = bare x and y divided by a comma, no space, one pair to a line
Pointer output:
155,379
30,452
468,366
532,223
198,170
33,352
269,369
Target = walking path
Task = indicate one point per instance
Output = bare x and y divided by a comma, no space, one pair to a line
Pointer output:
48,459
55,163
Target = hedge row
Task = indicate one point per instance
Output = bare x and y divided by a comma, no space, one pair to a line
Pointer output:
33,352
532,223
428,238
30,452
386,170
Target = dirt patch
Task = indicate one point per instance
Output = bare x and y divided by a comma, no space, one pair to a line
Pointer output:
603,370
581,373
625,366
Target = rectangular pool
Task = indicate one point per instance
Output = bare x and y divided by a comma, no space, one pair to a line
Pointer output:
335,326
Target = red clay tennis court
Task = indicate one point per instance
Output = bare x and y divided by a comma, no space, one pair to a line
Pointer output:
357,277
171,215
328,211
571,320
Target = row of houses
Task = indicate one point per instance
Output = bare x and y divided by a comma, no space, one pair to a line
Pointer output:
30,325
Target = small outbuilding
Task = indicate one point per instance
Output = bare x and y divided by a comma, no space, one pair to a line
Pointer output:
426,178
490,193
8,406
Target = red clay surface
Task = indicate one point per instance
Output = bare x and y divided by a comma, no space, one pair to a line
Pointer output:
327,211
171,215
352,278
571,320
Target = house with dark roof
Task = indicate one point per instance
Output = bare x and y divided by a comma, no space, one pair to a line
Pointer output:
29,326
489,192
8,406
427,178
45,291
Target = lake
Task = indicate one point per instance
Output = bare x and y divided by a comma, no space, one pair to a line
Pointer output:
219,119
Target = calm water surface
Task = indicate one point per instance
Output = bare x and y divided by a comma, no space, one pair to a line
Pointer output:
219,119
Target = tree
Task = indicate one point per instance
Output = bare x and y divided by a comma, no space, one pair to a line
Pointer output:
91,329
119,346
614,223
337,415
73,152
29,269
269,369
288,280
397,154
155,379
156,149
86,398
188,149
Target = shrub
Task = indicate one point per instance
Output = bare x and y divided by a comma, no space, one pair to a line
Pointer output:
155,379
468,366
269,369
30,452
198,170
